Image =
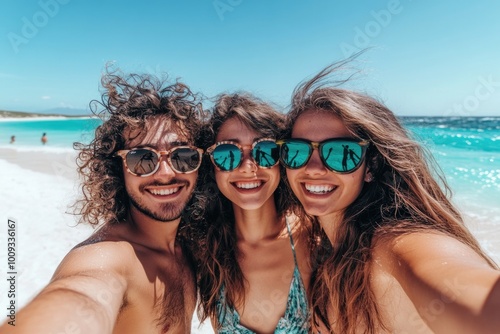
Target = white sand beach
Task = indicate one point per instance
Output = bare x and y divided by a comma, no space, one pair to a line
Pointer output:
36,189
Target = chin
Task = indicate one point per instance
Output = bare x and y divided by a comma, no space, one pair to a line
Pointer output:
318,212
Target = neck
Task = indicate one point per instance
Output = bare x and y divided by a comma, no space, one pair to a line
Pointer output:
330,224
153,233
258,224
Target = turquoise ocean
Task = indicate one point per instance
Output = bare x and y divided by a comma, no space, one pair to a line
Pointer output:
466,148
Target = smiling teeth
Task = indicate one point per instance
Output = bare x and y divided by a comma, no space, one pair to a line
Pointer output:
248,185
164,192
318,189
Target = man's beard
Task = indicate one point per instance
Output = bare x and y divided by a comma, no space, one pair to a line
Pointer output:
166,213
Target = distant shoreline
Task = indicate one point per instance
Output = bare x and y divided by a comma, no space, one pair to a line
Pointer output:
7,114
42,118
13,116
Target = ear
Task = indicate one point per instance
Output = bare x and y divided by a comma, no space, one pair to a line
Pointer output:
368,176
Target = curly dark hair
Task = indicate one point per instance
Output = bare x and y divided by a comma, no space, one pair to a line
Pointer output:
218,253
127,102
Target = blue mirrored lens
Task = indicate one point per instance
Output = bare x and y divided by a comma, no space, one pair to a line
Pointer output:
341,156
295,154
226,156
266,153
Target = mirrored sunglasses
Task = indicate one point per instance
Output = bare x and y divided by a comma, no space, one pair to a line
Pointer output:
228,155
146,161
340,155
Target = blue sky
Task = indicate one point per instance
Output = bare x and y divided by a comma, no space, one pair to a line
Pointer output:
437,58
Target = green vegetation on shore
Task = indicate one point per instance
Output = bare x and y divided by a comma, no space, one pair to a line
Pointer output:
24,114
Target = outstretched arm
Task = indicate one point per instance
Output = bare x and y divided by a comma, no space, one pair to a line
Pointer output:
451,286
84,296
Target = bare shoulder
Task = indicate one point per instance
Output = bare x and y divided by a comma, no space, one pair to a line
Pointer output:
91,282
96,254
431,263
109,256
425,250
440,280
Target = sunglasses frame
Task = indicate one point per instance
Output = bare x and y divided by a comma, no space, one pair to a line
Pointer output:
168,153
364,144
212,148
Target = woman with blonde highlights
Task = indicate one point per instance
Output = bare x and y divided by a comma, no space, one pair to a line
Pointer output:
254,257
399,258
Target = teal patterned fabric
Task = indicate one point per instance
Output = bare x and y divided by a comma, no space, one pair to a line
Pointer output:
295,320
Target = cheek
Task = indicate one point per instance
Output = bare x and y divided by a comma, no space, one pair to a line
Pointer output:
193,178
291,176
275,176
128,179
222,181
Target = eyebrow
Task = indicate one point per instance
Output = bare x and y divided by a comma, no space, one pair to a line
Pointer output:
236,140
170,144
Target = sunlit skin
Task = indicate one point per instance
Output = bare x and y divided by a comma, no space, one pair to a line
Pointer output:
444,287
116,280
163,195
324,193
264,251
248,186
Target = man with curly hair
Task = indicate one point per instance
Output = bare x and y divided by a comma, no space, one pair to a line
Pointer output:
135,273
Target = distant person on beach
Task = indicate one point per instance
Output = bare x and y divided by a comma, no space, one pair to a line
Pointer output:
398,258
254,266
44,138
12,139
134,274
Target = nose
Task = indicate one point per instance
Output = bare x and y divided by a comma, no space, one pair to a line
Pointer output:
248,164
315,166
165,170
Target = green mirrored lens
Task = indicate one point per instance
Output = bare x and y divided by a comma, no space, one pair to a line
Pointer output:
341,155
295,154
266,153
185,159
141,161
226,156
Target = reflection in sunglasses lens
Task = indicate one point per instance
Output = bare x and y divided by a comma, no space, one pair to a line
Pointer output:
296,154
266,153
226,156
144,161
141,161
337,155
185,159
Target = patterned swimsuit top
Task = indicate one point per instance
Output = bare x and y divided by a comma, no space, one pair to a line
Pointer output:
295,320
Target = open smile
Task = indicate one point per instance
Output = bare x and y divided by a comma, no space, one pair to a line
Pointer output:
164,192
318,189
247,185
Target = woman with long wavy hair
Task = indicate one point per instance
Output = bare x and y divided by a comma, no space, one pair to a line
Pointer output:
399,257
254,256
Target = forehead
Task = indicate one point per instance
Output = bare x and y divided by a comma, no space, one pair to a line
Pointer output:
235,129
157,132
317,125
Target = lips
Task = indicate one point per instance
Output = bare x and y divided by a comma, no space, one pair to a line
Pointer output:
319,189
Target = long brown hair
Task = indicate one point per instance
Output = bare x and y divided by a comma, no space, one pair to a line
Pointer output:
126,104
402,198
218,253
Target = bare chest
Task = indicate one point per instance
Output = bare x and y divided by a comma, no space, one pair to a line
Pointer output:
161,299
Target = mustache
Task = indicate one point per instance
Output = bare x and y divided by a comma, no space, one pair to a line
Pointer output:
162,184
